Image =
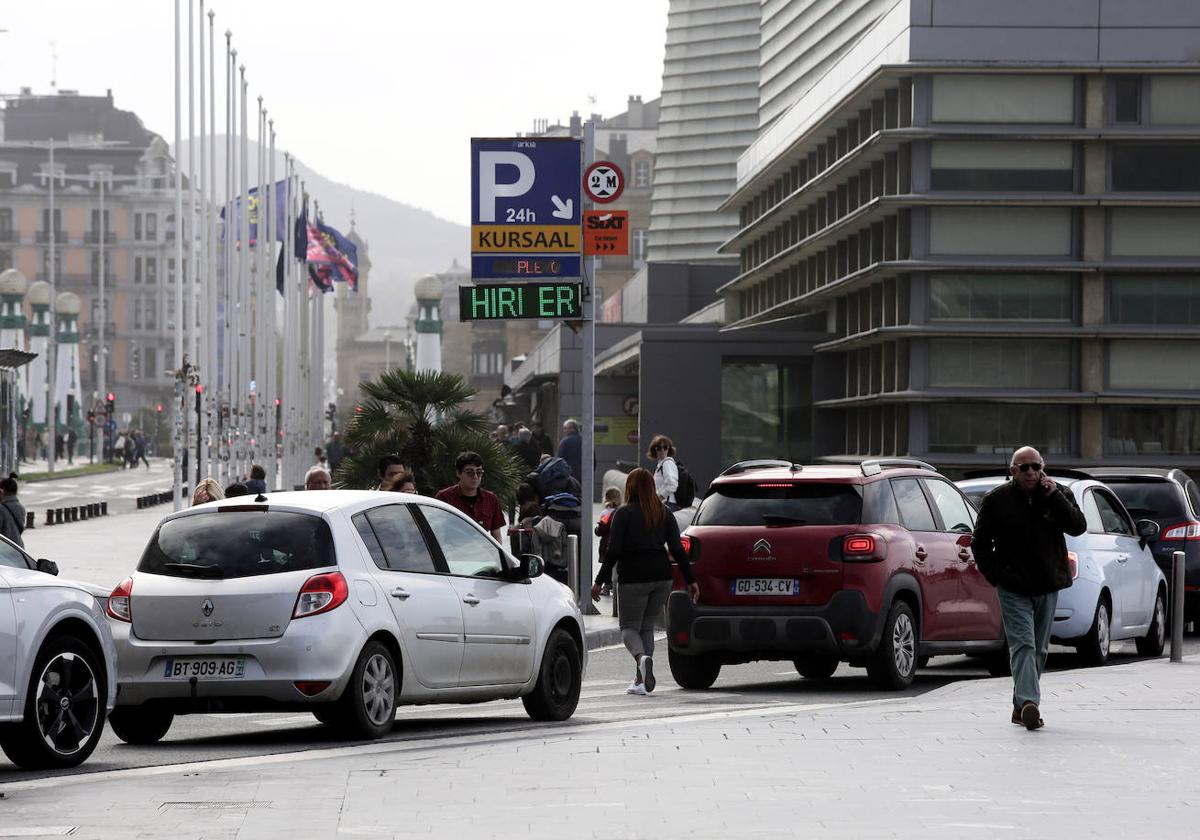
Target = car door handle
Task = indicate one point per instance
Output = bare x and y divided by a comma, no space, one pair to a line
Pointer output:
400,593
470,599
921,554
964,555
1122,558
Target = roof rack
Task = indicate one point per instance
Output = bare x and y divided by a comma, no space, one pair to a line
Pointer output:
761,464
875,466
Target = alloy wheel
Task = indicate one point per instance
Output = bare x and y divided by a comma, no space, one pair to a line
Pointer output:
378,689
904,646
68,705
1160,622
1102,629
561,676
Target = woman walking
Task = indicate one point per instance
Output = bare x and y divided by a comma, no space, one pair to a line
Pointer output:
640,533
666,471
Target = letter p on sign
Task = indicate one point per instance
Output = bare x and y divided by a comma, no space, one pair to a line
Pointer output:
490,187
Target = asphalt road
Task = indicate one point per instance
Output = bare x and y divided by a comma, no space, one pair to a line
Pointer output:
207,737
119,488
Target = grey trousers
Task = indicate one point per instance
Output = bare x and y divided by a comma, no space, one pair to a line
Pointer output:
1028,621
640,604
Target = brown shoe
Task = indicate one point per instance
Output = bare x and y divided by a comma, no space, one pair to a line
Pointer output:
1030,716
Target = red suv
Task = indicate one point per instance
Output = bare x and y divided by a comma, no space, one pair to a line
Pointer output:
868,564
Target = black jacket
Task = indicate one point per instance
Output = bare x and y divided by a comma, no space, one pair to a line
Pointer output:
1019,542
639,552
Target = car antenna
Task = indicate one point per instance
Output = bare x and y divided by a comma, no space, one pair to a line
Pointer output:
260,498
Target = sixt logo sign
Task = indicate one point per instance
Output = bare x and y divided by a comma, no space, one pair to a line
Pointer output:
606,221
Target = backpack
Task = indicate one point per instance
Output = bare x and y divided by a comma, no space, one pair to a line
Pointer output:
552,476
685,493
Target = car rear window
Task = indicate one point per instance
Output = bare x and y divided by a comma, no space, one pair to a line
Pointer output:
234,544
1152,499
782,503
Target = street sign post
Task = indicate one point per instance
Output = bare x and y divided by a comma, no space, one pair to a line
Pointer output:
525,207
518,300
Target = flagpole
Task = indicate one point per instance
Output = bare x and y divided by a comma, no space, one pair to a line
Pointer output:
203,265
177,487
295,281
225,410
192,253
272,339
303,390
212,395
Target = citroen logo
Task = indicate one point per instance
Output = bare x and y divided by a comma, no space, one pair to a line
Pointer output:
762,549
207,607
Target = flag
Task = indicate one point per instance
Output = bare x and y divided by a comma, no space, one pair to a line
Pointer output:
323,262
345,253
300,249
253,205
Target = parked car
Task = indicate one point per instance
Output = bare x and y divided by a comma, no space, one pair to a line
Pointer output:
57,664
1117,592
342,603
1172,499
868,564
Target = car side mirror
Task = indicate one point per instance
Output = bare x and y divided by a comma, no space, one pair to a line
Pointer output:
47,566
965,540
532,565
1147,529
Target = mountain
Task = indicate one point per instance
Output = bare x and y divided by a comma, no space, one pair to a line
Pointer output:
403,242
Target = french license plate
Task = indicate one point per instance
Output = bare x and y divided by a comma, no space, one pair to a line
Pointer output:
764,586
206,668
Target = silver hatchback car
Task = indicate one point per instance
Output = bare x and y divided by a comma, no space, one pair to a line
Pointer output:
343,603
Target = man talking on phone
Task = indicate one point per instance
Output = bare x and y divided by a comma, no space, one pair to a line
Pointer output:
1020,549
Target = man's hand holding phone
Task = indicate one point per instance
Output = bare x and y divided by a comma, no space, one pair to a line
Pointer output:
1047,484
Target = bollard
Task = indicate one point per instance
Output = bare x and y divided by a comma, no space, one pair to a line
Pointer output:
74,514
60,516
1178,565
83,512
49,516
104,508
28,520
141,502
573,567
93,510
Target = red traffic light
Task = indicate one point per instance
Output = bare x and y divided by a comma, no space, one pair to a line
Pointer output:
277,402
199,388
158,408
110,397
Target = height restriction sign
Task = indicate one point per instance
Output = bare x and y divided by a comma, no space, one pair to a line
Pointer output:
603,182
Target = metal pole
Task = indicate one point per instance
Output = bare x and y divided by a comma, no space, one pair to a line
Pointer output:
52,339
244,361
271,434
574,580
101,370
213,396
204,271
225,420
1178,567
177,439
192,332
588,420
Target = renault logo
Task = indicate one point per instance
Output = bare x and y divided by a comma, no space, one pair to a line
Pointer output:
207,607
761,550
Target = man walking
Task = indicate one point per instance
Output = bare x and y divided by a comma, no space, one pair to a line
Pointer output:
483,506
570,448
1020,549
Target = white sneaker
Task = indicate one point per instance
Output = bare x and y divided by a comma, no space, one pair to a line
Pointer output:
636,687
646,672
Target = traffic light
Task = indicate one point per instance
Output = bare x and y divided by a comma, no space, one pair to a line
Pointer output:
111,401
158,408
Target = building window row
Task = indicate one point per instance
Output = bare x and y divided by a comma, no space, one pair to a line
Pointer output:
876,430
970,98
1154,100
1002,165
1154,299
1001,363
999,428
879,305
1006,297
878,369
1161,430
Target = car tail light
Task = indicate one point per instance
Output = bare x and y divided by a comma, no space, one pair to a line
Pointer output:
863,547
682,638
687,544
120,602
774,484
1182,531
321,593
311,688
1073,564
691,547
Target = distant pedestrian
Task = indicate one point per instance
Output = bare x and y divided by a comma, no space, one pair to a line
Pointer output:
139,449
483,506
570,448
207,491
236,489
526,448
12,512
612,501
641,533
1019,548
334,452
130,451
257,483
666,471
319,458
544,444
502,435
317,478
72,441
403,483
387,469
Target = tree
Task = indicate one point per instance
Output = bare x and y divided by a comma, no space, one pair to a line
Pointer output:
420,416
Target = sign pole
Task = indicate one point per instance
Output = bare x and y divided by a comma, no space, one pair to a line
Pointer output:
588,421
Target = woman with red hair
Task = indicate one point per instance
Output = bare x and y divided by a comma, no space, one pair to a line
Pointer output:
640,534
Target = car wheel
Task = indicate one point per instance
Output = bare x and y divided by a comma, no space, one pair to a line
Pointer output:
694,672
368,705
894,664
556,692
140,724
1094,647
328,714
998,663
64,708
922,662
1155,640
816,666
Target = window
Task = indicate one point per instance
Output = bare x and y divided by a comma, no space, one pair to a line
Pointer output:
57,221
6,223
1155,167
1161,430
152,313
170,312
1175,100
952,507
6,259
801,503
137,226
394,539
996,297
1127,100
914,507
468,553
96,226
11,557
149,355
766,407
1162,299
1000,231
641,174
137,313
1000,165
1154,232
1112,518
999,428
999,363
641,242
151,227
171,270
1152,365
1091,513
137,269
151,269
971,98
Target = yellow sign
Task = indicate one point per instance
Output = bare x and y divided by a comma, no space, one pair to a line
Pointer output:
616,431
525,239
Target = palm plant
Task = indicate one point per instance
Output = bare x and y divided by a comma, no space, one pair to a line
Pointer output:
420,416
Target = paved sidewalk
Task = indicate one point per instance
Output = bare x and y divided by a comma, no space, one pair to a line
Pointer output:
1117,759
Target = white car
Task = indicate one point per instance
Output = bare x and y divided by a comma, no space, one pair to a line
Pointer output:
57,664
343,603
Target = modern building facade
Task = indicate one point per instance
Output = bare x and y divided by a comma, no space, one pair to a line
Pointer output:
991,210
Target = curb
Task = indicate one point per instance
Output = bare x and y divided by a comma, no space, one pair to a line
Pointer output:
602,637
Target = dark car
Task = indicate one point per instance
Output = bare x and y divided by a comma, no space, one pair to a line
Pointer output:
1172,499
868,564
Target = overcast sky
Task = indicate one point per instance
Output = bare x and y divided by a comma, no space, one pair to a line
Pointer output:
379,94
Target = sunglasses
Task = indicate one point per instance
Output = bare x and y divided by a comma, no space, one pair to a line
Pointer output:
658,448
1027,467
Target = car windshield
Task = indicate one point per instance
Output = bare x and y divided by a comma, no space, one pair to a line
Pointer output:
1149,499
781,504
233,544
